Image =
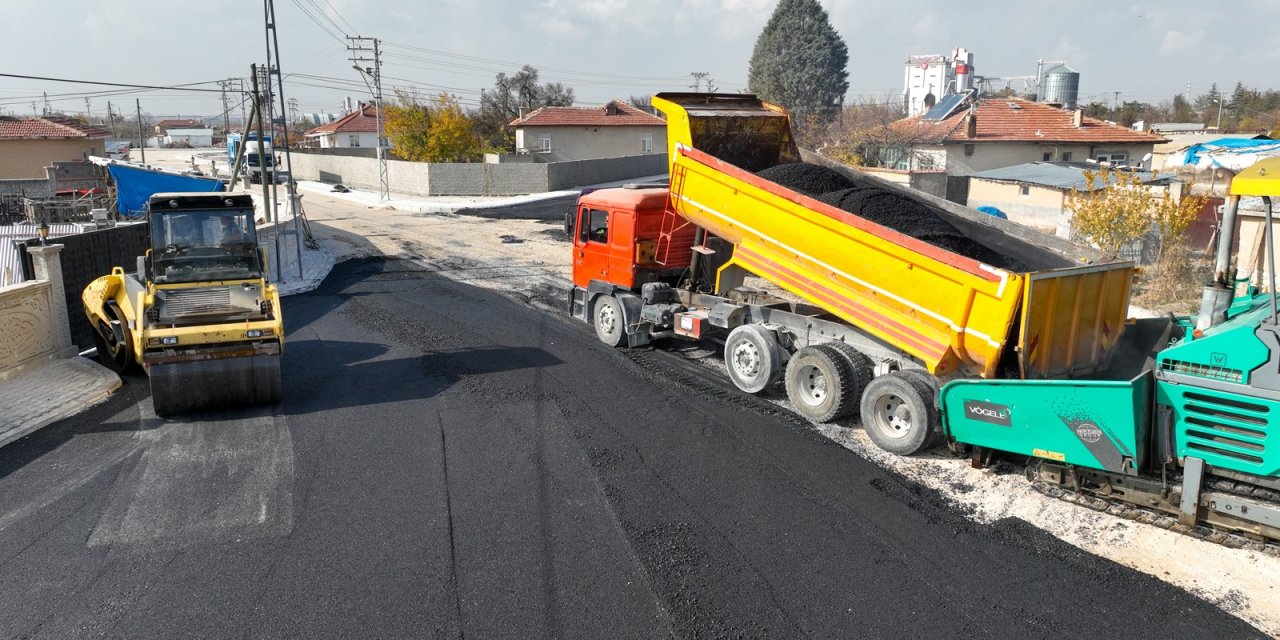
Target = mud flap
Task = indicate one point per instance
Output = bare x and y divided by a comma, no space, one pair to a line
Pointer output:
180,387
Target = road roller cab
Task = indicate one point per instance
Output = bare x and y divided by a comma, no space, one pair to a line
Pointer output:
198,315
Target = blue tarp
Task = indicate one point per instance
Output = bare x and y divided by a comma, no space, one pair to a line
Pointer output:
135,186
1229,145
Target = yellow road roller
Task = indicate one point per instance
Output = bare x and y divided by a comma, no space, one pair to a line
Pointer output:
198,315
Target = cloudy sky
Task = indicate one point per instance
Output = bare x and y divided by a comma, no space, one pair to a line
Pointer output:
607,48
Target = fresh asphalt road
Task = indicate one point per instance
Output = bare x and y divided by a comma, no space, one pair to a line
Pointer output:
451,463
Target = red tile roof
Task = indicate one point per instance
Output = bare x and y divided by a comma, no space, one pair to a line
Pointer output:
615,114
1018,120
182,123
362,120
50,127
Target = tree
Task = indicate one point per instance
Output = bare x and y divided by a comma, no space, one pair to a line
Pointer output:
800,62
435,131
1114,209
512,96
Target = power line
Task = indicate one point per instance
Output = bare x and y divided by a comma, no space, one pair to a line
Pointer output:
176,87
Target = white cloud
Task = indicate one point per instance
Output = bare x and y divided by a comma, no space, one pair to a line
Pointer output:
1175,40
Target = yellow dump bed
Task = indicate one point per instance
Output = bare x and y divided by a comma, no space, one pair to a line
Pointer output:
953,313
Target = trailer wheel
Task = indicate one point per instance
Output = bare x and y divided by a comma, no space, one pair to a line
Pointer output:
861,370
114,344
753,357
897,414
819,383
607,317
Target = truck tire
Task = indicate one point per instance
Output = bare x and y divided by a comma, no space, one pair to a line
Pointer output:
861,371
753,357
930,387
819,383
606,317
897,414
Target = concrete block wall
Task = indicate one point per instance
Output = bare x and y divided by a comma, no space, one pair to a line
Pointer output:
40,188
457,179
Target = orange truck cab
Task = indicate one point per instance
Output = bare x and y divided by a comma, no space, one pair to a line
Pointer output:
615,236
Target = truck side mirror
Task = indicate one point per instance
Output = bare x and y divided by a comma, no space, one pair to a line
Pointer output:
568,223
142,266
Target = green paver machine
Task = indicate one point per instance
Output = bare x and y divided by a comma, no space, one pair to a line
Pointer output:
1185,421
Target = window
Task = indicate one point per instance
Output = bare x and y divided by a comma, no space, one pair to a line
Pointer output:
1066,156
1024,190
597,227
646,144
353,140
1114,157
544,143
968,150
1048,156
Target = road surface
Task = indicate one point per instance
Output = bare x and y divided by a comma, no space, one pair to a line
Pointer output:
451,463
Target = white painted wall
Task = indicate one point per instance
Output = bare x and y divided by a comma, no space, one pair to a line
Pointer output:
586,143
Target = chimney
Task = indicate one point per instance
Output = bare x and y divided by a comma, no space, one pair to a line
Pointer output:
1077,118
971,123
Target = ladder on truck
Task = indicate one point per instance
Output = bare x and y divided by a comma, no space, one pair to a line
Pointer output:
671,221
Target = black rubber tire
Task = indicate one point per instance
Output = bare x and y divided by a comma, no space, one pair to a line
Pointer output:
606,317
861,370
115,353
897,415
819,383
930,387
753,357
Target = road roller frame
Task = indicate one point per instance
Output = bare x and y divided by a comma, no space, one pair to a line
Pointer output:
198,315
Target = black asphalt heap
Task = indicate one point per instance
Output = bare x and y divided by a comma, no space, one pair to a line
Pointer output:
884,207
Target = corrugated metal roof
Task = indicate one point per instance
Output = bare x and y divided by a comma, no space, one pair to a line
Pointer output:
1058,175
11,260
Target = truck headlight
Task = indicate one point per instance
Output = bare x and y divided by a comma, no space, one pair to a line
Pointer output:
253,333
166,340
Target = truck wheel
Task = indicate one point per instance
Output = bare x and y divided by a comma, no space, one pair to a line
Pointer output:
861,370
929,386
753,358
819,383
897,414
607,317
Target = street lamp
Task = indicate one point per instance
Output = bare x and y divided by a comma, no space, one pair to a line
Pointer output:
1218,126
43,230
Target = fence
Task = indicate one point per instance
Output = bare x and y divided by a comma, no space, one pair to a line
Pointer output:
87,256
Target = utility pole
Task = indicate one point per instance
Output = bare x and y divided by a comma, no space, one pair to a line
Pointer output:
111,116
291,187
87,109
225,85
267,189
47,108
698,77
142,141
361,48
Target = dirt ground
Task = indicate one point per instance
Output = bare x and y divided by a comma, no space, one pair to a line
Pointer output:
529,260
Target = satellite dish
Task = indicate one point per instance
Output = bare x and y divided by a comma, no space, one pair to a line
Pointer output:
1146,158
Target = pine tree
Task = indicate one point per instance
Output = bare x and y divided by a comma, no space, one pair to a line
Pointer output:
800,62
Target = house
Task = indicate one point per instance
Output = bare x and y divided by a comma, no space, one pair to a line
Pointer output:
202,137
965,138
164,126
1171,155
556,134
1036,193
358,129
28,145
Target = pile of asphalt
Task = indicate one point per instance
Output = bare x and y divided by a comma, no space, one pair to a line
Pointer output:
884,207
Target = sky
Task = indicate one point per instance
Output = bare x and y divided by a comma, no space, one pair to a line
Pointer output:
604,49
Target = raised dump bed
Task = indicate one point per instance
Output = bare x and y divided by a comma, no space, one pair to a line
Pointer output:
1062,310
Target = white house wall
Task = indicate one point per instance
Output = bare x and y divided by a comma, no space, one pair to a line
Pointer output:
585,143
1041,208
996,155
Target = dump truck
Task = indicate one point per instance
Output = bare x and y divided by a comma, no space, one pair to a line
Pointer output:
198,315
923,343
254,162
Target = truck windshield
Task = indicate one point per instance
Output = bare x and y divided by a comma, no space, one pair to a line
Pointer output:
199,246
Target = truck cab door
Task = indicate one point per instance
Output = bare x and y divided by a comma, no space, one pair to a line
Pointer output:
591,247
